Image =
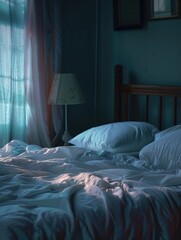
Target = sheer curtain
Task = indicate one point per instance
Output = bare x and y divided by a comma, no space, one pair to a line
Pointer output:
12,92
27,66
39,51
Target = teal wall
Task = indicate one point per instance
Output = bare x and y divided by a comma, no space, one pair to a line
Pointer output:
150,55
91,47
78,55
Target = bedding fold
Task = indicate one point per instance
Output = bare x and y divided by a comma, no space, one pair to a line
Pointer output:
71,193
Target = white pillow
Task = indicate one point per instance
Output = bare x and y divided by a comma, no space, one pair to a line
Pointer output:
164,153
166,131
116,137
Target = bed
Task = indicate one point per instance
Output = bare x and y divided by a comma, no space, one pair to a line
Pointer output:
120,180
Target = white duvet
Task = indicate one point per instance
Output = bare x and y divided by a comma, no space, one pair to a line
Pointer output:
70,193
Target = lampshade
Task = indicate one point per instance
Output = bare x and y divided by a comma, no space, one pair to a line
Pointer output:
65,90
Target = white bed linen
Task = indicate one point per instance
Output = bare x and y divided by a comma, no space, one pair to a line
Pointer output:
69,193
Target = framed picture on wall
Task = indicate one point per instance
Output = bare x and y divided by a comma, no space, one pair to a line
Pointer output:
164,9
127,14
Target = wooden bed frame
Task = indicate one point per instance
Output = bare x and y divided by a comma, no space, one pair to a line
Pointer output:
126,101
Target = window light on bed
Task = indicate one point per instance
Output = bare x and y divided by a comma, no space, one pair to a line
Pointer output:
65,91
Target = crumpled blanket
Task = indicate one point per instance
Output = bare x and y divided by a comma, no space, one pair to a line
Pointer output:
71,193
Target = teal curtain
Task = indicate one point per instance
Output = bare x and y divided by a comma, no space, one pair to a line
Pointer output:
12,91
30,53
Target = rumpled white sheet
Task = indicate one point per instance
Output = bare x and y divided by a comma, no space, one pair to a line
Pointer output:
70,193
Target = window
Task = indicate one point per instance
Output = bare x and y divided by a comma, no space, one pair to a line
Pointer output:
12,104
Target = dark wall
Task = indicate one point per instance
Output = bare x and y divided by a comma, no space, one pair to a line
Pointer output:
91,47
78,56
149,55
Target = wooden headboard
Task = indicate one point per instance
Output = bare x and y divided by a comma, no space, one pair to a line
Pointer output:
156,104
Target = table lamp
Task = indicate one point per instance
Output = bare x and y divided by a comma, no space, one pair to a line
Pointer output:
65,91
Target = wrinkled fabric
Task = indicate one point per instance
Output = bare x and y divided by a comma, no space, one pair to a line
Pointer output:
71,193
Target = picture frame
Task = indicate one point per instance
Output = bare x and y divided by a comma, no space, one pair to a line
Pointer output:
127,14
164,9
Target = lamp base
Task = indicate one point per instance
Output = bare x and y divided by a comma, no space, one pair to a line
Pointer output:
65,138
